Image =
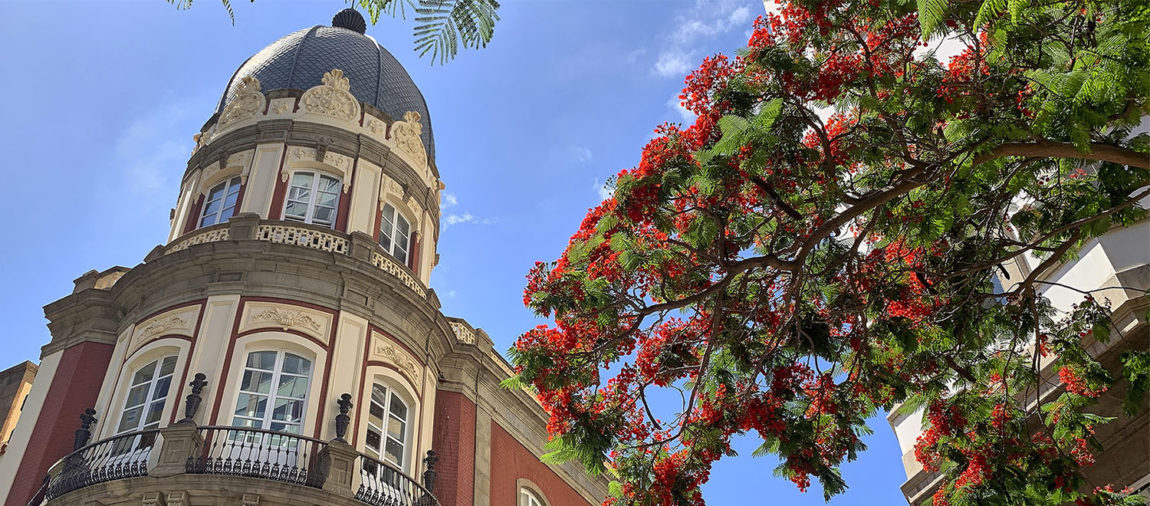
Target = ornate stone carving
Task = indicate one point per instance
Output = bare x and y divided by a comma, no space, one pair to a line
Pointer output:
332,98
406,134
387,351
250,499
377,127
249,101
281,107
174,322
265,315
287,319
158,327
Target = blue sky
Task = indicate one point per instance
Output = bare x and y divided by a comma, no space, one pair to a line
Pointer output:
101,101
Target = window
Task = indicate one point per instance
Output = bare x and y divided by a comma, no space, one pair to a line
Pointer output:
273,392
144,404
220,203
394,233
312,198
528,498
387,423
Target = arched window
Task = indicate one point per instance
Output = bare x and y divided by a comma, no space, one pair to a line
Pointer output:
528,498
220,203
273,392
394,233
388,423
144,404
312,198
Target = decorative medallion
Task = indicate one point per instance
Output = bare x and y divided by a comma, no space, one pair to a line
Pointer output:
407,138
332,98
249,101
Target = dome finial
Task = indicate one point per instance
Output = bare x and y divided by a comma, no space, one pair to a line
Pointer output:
350,19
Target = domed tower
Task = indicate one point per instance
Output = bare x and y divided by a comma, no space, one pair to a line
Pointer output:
283,346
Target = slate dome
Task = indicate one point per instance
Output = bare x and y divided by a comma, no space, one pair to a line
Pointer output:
299,60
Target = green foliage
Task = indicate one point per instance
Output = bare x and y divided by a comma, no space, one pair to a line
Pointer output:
442,27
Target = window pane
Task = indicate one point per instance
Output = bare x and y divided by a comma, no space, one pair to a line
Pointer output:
288,410
395,428
373,439
398,408
402,226
137,395
294,387
145,374
154,411
168,365
245,422
303,179
295,210
394,452
211,208
130,419
294,364
251,405
323,214
265,360
161,390
256,381
330,185
327,199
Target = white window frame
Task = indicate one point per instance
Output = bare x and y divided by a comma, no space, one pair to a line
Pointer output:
313,194
272,395
391,396
227,188
528,497
147,406
389,229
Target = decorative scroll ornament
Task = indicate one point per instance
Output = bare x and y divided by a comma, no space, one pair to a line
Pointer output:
249,101
288,319
332,98
160,326
389,352
407,137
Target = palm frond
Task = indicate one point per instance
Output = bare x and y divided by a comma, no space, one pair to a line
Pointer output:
443,26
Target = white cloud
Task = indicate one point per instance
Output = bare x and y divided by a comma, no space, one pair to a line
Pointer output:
451,294
456,219
673,64
448,200
693,28
147,153
582,154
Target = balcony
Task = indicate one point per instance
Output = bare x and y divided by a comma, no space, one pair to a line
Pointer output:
213,460
248,226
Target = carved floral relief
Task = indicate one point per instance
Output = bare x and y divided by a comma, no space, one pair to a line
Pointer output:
286,317
332,98
248,102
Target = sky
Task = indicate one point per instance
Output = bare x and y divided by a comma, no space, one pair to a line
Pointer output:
100,101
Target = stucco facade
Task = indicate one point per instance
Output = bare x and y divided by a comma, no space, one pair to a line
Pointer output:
295,281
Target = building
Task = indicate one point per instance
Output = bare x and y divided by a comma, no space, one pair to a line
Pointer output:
1120,258
282,346
15,382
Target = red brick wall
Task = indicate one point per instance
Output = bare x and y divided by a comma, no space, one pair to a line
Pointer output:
74,388
510,460
454,442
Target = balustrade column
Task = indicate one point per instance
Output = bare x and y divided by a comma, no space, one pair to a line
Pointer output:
337,459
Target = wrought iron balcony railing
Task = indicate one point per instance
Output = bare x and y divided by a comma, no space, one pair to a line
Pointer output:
249,452
382,484
260,453
118,457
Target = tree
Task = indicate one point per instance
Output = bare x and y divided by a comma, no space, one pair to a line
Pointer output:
442,26
823,243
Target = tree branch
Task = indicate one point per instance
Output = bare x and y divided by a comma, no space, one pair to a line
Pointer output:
1098,151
